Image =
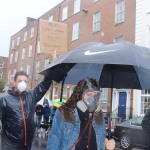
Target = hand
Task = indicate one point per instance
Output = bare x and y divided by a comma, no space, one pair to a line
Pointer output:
110,144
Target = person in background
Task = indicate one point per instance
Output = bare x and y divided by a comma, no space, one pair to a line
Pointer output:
17,110
46,115
39,114
79,123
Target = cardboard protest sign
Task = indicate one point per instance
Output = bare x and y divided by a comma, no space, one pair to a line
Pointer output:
53,37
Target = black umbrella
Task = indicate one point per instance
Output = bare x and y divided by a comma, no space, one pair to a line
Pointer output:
118,65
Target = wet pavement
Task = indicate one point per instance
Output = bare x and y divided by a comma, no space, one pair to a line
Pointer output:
40,141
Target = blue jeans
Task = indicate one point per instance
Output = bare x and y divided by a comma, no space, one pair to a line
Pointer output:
46,119
38,121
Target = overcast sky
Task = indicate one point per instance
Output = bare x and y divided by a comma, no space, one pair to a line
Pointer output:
13,14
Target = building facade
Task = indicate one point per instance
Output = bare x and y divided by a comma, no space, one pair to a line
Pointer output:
142,37
87,21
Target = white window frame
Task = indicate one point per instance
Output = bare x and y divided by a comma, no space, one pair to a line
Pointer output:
75,32
23,53
11,58
65,91
50,18
32,32
145,101
16,56
71,90
28,70
37,69
148,37
25,36
148,6
14,71
120,11
38,50
18,40
1,64
46,62
55,92
76,6
104,98
13,44
9,74
65,13
30,50
96,21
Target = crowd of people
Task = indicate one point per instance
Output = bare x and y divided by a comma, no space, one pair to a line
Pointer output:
77,124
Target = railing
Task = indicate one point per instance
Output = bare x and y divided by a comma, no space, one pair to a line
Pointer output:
115,119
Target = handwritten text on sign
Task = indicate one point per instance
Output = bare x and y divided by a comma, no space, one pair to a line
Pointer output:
53,36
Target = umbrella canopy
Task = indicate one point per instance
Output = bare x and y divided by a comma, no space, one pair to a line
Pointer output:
57,103
118,65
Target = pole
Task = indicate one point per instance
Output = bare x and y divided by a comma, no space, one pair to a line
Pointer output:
62,86
111,97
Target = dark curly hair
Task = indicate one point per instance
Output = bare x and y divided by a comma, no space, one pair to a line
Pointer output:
77,93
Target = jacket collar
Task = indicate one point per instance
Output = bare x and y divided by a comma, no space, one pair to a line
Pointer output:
12,91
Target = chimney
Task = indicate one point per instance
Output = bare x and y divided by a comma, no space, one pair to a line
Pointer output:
29,20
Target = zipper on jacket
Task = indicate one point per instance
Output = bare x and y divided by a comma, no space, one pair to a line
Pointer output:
24,119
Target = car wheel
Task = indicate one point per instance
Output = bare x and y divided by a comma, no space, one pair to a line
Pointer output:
125,142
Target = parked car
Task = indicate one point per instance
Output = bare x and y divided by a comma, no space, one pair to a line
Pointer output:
130,134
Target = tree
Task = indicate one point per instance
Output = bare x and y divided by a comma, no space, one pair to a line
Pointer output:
2,85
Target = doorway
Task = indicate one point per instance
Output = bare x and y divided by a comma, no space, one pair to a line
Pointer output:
122,105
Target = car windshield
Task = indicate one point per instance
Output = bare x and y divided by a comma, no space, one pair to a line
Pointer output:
136,121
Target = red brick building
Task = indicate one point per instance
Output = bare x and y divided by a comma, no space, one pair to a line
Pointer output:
87,20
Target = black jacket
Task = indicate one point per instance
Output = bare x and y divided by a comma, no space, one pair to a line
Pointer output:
18,117
146,123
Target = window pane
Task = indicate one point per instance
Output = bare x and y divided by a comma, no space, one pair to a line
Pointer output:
76,6
75,33
96,21
120,11
145,101
104,98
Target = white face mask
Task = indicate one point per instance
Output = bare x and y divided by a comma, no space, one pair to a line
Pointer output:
22,86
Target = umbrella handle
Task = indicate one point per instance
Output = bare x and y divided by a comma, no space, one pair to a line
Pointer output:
62,86
109,125
109,135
